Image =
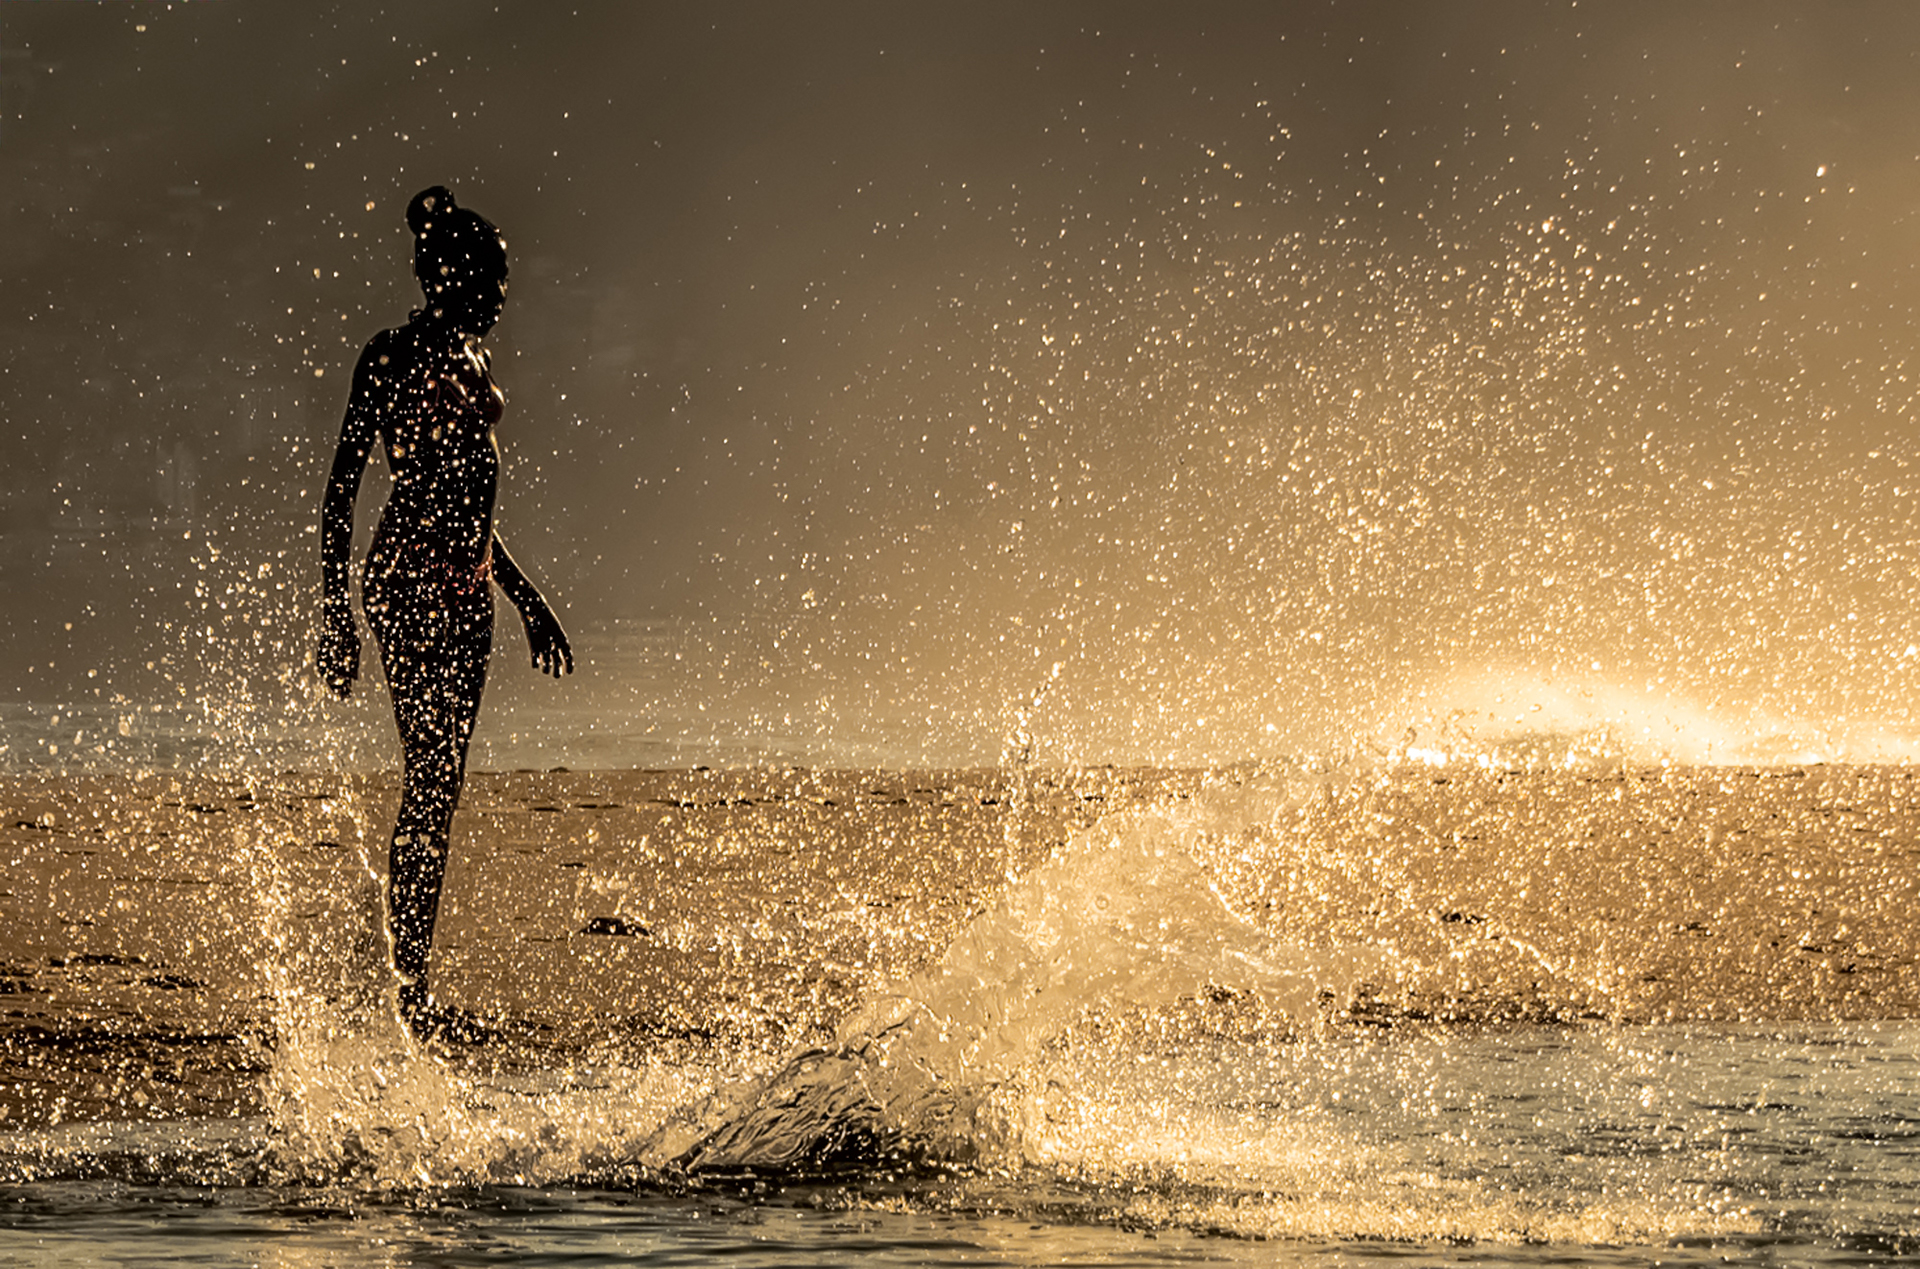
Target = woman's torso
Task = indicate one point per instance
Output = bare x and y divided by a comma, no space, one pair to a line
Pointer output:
436,420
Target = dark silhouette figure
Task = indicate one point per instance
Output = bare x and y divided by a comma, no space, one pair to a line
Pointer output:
425,392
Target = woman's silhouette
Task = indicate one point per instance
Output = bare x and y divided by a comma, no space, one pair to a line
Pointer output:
424,391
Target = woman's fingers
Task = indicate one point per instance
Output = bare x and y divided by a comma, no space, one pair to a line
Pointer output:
548,645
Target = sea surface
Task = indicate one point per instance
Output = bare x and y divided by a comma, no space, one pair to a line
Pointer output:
1532,1146
1108,1058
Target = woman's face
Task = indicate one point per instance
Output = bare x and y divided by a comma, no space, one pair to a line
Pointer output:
482,305
472,305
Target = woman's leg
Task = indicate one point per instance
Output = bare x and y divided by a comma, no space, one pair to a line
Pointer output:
436,684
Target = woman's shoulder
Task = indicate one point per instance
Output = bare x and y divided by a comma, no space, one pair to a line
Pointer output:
388,357
390,345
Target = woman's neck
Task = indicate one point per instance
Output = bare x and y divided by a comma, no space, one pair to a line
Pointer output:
451,325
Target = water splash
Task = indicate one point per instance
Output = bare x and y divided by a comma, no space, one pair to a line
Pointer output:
1126,917
348,1093
352,1098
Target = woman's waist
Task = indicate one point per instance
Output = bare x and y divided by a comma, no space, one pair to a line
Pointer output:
436,476
430,548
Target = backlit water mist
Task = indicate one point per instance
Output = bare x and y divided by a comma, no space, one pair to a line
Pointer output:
1288,384
1262,491
1282,626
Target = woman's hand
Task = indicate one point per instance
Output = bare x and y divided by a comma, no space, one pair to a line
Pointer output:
545,639
338,655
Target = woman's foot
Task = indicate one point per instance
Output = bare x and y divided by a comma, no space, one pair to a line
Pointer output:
449,1024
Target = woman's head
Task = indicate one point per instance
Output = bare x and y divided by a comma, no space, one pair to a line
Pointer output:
460,259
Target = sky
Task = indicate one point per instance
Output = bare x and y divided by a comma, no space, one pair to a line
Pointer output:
1123,382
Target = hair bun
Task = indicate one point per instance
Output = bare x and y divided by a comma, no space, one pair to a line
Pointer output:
453,246
434,201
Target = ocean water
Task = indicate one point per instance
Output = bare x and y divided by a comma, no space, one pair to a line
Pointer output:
1109,1062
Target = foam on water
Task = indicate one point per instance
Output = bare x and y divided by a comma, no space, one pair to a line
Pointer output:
1314,1152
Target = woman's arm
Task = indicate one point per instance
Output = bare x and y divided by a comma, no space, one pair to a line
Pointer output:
338,656
545,639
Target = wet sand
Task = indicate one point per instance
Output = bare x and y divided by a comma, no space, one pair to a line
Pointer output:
142,918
